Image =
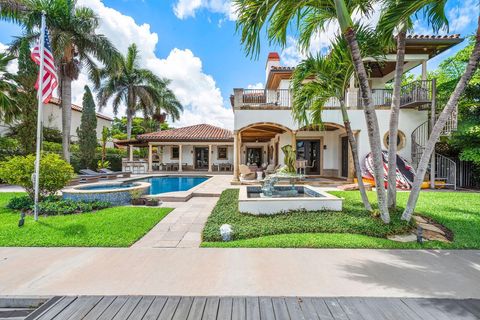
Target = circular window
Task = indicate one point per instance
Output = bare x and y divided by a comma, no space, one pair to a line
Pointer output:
401,140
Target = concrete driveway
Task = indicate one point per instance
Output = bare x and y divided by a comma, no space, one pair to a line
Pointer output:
239,272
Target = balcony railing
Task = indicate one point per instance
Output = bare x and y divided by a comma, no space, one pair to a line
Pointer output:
413,94
262,97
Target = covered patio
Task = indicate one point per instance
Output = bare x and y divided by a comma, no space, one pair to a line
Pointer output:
200,147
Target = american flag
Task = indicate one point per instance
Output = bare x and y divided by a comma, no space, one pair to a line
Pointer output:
50,78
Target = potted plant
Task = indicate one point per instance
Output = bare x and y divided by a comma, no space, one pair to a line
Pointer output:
152,202
136,197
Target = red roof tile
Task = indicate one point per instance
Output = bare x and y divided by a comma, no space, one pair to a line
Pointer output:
433,37
199,132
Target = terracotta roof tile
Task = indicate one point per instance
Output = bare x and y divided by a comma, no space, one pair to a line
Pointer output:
199,132
433,37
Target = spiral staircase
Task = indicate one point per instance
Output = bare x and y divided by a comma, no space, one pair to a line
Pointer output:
445,170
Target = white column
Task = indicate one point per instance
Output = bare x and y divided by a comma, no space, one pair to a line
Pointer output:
209,158
130,150
236,155
149,157
424,70
180,158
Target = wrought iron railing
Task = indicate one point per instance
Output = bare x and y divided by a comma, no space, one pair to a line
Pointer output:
416,92
446,171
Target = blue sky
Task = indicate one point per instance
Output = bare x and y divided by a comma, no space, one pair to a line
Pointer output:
194,43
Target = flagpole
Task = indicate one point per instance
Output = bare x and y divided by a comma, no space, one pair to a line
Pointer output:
39,117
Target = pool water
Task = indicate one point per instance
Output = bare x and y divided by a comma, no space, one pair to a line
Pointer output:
283,192
171,184
108,186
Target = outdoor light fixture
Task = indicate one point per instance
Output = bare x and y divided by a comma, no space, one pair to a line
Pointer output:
324,147
419,235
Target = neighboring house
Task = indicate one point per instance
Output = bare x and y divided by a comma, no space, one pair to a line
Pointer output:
52,118
263,124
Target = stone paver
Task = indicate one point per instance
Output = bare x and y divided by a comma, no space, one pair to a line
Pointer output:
182,227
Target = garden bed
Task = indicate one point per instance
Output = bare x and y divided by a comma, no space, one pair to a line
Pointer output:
352,228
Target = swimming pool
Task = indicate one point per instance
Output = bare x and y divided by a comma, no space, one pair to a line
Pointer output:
173,183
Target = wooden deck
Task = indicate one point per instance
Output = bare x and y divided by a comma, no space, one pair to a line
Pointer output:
264,308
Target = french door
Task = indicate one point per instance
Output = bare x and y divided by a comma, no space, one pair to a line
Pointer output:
201,158
309,150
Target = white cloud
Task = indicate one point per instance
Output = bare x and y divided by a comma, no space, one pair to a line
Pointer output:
196,90
462,16
321,40
13,65
187,8
258,85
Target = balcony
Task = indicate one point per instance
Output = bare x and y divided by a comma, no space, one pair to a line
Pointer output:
415,94
412,95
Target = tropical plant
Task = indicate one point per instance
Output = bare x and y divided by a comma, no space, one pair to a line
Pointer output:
166,104
9,108
470,69
289,159
131,85
434,11
74,43
87,131
24,128
320,78
106,135
55,173
310,17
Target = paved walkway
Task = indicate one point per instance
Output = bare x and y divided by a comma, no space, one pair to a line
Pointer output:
239,272
253,308
182,227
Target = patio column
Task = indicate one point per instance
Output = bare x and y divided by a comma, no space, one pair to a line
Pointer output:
294,140
180,158
130,151
150,157
424,70
236,155
209,158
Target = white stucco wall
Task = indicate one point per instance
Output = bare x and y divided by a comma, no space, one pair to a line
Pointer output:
409,120
52,118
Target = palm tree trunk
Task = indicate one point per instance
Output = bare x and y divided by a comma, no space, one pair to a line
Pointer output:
356,161
372,124
66,104
346,26
437,129
394,115
129,124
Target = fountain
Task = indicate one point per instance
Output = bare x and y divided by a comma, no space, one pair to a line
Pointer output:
271,198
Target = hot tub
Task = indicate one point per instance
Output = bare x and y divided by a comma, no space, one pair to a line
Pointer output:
286,198
117,193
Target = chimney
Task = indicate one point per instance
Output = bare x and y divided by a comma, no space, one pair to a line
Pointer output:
273,60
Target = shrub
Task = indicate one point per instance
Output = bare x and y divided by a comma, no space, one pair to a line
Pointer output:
54,147
20,203
62,207
55,173
9,147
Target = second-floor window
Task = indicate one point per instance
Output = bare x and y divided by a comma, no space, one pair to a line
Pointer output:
175,153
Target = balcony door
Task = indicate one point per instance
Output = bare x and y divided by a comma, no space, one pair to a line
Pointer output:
309,150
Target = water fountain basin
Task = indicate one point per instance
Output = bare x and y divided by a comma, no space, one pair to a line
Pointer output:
286,198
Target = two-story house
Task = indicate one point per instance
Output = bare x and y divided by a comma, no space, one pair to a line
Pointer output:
264,123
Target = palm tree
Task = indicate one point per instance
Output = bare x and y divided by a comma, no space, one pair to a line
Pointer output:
166,104
74,44
9,108
440,124
139,89
311,17
435,16
320,78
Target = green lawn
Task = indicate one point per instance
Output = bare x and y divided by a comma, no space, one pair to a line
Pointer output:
352,228
112,227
